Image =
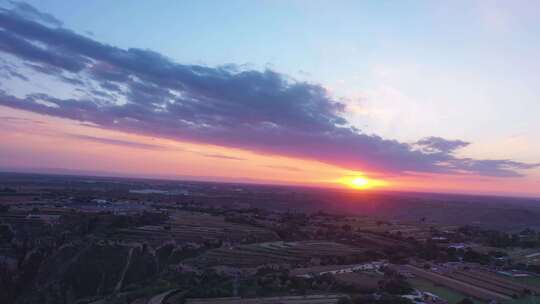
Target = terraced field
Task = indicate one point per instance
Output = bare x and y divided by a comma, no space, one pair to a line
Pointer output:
364,282
196,227
379,241
450,295
497,281
312,299
477,283
487,285
21,222
481,291
274,252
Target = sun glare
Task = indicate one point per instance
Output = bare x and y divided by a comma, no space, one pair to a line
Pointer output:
361,182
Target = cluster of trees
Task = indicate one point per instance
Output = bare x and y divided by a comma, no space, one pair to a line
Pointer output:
206,284
7,190
394,283
271,282
172,254
241,219
431,251
145,218
6,233
66,261
528,238
16,279
370,299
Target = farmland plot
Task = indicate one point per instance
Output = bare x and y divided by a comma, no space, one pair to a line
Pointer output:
479,292
197,227
275,253
311,299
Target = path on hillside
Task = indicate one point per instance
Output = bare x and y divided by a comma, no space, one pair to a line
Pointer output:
158,299
126,266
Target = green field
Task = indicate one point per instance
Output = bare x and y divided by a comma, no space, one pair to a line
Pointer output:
533,281
453,296
450,295
527,300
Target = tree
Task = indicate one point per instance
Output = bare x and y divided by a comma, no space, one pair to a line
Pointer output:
394,283
6,234
344,300
466,301
8,284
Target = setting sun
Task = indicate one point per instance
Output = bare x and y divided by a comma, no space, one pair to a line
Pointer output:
359,182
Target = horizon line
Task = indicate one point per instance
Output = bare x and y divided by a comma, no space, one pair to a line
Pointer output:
246,181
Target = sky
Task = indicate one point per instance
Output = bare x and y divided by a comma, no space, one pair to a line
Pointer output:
410,95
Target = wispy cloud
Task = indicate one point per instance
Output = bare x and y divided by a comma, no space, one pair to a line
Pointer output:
19,120
146,146
222,156
117,142
287,168
27,11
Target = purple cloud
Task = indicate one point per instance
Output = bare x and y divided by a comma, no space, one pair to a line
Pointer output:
20,120
288,168
221,156
143,92
117,142
27,11
440,145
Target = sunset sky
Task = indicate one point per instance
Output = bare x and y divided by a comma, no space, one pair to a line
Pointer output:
393,95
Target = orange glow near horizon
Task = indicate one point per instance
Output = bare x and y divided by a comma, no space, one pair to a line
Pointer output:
37,141
360,182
